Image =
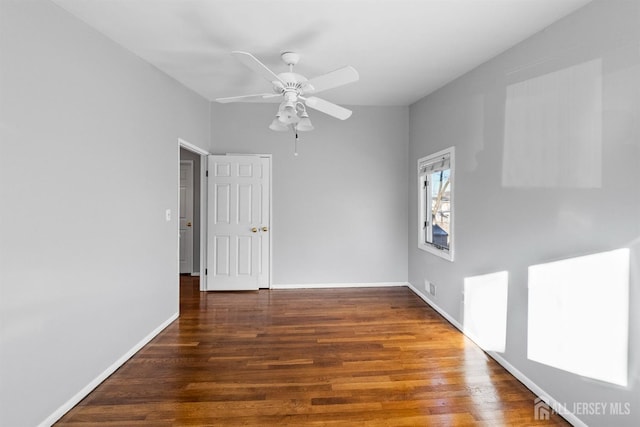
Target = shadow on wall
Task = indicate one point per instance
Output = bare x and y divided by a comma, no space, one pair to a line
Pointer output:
553,129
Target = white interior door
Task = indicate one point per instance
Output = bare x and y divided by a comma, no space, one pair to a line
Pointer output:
239,237
186,216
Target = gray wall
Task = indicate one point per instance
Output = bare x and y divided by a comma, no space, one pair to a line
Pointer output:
340,207
188,155
88,165
531,221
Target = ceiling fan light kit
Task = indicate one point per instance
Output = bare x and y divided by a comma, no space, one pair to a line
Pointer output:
292,87
277,125
304,124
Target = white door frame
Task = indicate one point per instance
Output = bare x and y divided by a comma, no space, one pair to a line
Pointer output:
203,207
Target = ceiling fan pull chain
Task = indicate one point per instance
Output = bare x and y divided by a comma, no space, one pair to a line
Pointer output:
295,145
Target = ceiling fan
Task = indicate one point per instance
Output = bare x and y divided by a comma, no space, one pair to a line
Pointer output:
294,88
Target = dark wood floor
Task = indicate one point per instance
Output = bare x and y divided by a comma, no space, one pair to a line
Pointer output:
345,357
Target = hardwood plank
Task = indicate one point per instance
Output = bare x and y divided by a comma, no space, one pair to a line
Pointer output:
330,357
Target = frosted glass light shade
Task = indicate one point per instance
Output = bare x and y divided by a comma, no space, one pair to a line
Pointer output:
278,126
304,124
288,115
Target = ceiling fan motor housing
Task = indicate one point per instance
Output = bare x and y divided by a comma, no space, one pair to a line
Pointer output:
293,82
290,58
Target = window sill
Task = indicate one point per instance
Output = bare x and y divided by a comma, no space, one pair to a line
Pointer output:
448,255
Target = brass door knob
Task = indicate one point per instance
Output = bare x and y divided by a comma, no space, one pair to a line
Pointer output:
254,230
265,229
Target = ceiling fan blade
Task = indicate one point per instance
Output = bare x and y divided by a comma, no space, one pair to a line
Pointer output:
254,64
333,79
327,107
247,98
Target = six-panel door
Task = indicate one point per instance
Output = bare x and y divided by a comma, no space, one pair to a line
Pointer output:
239,226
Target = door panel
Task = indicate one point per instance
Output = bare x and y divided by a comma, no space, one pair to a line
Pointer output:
223,203
221,264
245,202
239,227
245,256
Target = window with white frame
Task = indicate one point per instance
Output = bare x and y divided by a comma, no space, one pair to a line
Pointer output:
435,201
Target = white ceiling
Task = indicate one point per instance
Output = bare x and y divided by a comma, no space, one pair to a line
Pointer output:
403,49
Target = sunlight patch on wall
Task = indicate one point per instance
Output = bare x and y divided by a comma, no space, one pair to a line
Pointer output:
579,315
553,129
485,310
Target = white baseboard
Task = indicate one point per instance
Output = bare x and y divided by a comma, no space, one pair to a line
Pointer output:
537,390
58,413
433,305
195,273
338,285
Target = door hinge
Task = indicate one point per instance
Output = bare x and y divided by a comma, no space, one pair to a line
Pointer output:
206,173
206,271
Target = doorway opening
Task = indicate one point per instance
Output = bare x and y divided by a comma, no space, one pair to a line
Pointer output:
192,203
